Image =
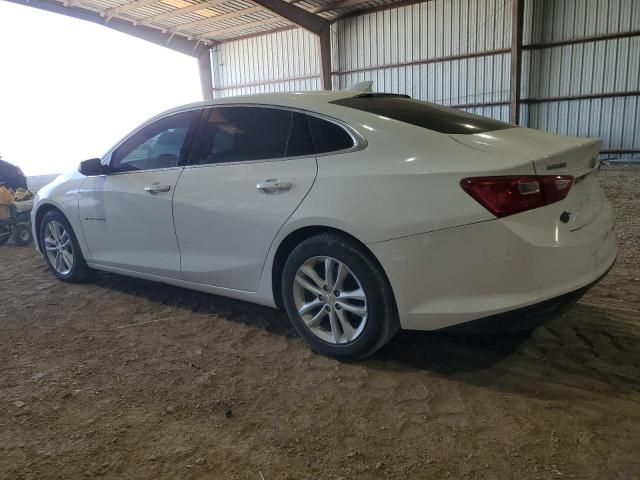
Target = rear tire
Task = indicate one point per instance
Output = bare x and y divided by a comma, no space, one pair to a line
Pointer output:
348,313
60,248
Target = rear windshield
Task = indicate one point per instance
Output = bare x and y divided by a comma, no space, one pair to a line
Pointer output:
422,114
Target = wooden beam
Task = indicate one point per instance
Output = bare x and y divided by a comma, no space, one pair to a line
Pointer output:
446,58
579,40
239,28
177,43
324,47
585,96
180,11
296,15
517,22
217,18
206,78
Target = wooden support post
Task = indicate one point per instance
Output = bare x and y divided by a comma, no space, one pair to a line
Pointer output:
312,23
517,22
206,78
324,40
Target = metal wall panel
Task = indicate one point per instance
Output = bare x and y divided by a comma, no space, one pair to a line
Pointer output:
609,68
604,66
282,61
456,52
416,49
555,20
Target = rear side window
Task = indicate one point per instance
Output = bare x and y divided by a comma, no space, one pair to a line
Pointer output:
235,134
422,114
328,136
300,141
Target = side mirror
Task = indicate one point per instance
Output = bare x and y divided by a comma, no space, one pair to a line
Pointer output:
92,167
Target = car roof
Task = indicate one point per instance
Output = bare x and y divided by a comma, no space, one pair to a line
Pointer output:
301,100
313,101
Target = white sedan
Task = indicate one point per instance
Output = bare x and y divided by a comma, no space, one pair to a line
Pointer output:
358,213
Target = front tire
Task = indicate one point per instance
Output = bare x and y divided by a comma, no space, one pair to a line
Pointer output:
338,298
61,249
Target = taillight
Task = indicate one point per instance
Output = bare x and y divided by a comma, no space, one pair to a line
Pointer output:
507,195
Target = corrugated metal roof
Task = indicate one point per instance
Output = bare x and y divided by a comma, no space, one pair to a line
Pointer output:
196,19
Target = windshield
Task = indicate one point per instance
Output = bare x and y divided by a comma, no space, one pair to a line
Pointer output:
422,114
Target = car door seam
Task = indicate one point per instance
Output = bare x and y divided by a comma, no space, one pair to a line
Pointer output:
173,221
264,263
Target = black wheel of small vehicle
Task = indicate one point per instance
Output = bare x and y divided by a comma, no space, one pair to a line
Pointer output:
60,248
338,298
22,234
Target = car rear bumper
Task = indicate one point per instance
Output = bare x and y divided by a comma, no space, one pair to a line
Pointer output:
457,275
525,318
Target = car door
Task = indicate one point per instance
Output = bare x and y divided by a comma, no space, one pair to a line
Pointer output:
249,169
126,215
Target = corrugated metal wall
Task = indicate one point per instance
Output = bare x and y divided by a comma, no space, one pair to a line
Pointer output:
452,52
283,61
457,52
592,86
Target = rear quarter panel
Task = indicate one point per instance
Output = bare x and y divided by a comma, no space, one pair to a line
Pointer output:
405,182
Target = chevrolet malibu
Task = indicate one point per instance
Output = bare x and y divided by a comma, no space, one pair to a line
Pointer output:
357,213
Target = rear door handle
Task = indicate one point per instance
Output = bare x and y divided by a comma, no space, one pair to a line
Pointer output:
157,188
273,185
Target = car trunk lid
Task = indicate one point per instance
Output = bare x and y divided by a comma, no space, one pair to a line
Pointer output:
551,155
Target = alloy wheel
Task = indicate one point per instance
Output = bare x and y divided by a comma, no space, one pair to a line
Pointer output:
58,247
330,300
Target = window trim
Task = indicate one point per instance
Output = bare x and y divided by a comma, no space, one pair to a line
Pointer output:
359,142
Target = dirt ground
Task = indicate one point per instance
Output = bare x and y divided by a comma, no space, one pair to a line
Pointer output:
122,378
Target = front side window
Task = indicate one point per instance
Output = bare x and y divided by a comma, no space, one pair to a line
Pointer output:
237,134
157,145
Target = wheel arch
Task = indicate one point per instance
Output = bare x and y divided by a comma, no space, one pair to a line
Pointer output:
41,211
294,238
44,208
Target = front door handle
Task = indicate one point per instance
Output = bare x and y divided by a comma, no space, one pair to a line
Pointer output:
273,185
157,188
